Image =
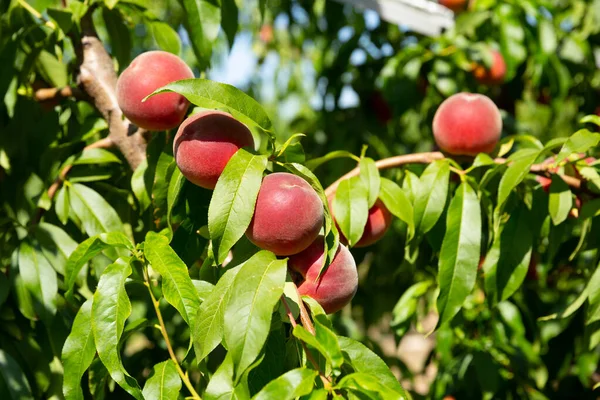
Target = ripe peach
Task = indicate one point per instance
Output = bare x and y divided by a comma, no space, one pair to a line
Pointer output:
205,142
467,124
146,73
454,5
495,74
378,223
288,215
338,284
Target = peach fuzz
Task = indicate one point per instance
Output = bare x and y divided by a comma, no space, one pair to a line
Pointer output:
146,73
467,124
205,142
338,284
288,215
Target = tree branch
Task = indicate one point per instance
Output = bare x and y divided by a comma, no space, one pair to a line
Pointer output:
48,94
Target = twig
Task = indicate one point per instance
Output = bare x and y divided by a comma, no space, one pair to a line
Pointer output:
304,317
163,330
47,94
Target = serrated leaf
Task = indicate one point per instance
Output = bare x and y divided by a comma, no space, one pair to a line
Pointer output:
39,279
366,383
579,142
164,383
177,286
351,208
208,94
208,329
87,250
316,162
55,244
459,256
96,156
430,198
560,201
202,21
232,204
110,309
95,213
362,359
370,176
14,379
515,173
324,341
166,37
398,203
292,384
593,289
255,292
78,352
61,205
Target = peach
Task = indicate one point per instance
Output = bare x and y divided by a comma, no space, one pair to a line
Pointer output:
493,75
467,124
378,223
205,142
146,73
288,215
454,5
338,284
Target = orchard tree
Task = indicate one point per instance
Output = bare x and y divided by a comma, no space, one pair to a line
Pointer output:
167,236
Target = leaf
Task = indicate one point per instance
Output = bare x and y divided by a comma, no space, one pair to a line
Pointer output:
506,263
568,309
351,208
94,212
362,359
593,289
202,21
87,250
579,142
208,94
14,379
96,156
55,244
324,340
560,201
78,352
365,382
61,206
232,204
110,309
177,286
221,385
39,279
406,306
292,384
255,292
592,119
515,173
208,325
176,186
166,37
119,35
52,69
164,383
203,289
229,20
397,202
316,162
547,35
430,199
370,176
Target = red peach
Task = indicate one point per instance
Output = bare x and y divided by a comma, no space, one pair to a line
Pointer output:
454,5
288,215
493,75
146,73
205,142
338,284
467,124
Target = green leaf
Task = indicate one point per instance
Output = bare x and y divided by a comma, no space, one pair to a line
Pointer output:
459,256
222,386
255,292
351,208
579,142
119,35
164,383
90,248
430,199
208,329
506,263
229,20
52,69
78,352
55,244
111,3
208,94
138,185
316,162
232,204
362,359
96,156
177,286
547,35
367,383
515,173
63,18
324,340
39,279
292,384
176,186
593,288
569,308
94,212
166,37
397,202
61,206
591,119
406,306
202,21
14,379
561,200
110,309
203,289
370,176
